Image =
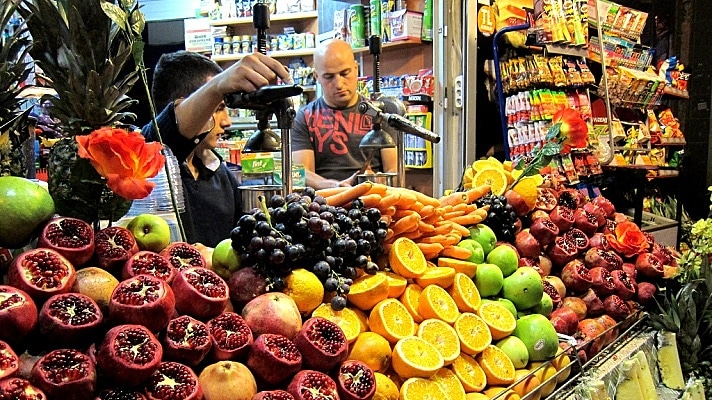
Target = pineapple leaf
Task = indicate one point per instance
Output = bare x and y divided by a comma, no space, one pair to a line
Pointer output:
115,13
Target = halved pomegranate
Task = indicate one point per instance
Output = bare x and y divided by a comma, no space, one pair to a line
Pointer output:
9,362
562,250
70,237
608,208
545,200
187,340
230,335
113,247
576,276
200,293
544,230
142,300
65,374
597,212
563,217
310,385
183,255
120,394
603,282
274,358
355,381
70,320
625,285
273,395
597,257
148,262
616,307
18,314
41,273
579,238
20,389
322,343
649,266
174,381
129,354
599,241
571,198
585,221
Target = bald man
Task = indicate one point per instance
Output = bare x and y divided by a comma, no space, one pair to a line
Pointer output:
327,132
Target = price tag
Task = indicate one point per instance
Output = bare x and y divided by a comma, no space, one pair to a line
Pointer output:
485,20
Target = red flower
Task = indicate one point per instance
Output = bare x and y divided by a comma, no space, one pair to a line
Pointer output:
124,159
573,128
628,240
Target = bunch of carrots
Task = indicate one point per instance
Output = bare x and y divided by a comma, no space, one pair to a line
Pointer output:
436,225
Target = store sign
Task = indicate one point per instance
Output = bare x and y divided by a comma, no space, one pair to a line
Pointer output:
485,20
198,37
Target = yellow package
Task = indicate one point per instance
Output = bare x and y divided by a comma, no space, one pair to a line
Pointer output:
557,71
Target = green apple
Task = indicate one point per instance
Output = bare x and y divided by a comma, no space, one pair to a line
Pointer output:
225,259
505,257
484,235
150,231
478,253
516,350
524,288
488,280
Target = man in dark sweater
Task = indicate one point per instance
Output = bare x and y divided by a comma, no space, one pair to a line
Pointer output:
189,88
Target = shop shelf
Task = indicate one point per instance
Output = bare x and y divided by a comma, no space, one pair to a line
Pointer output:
272,18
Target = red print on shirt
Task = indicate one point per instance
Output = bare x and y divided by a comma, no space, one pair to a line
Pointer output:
332,128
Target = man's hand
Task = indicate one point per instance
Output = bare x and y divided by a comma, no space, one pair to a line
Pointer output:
251,73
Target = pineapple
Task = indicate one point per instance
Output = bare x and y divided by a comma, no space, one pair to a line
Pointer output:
14,70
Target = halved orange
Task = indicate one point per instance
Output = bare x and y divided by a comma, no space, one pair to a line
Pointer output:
406,259
501,393
473,332
414,357
500,321
497,366
410,299
390,319
494,177
469,372
450,384
466,267
368,290
465,293
442,336
435,302
396,283
346,319
421,389
440,276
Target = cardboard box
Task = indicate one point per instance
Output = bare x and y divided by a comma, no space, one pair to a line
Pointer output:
406,25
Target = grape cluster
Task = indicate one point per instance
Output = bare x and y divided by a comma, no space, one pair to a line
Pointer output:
500,218
301,230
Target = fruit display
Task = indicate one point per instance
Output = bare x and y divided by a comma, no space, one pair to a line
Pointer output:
366,292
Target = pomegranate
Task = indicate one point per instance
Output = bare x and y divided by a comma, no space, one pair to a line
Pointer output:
597,212
230,335
527,245
591,331
311,385
148,262
322,343
598,241
70,320
646,292
70,237
579,238
273,395
667,255
594,305
228,380
18,314
65,374
571,198
355,381
576,276
544,230
274,358
143,300
576,304
629,269
545,199
610,326
650,239
19,389
175,381
558,284
245,284
183,255
519,205
565,320
545,265
129,354
596,257
200,293
9,362
562,251
605,205
530,262
537,214
113,247
41,273
616,307
187,340
120,394
585,221
552,292
649,266
609,227
603,283
625,286
273,312
563,217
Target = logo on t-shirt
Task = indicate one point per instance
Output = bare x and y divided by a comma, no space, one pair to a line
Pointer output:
330,129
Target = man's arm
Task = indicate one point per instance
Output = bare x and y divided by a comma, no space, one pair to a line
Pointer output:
389,159
306,158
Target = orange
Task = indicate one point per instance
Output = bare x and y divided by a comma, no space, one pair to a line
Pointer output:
494,177
96,283
396,283
495,392
435,302
305,288
500,321
390,319
470,373
440,276
373,350
410,299
476,396
421,389
473,332
497,366
466,267
346,319
406,259
561,362
442,336
527,188
525,383
415,357
546,374
368,290
465,293
386,389
450,384
362,319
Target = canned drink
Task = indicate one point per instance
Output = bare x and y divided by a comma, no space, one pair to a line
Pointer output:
274,43
227,45
236,44
374,17
357,24
245,44
218,46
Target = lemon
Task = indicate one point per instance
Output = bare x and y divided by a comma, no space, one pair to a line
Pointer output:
305,289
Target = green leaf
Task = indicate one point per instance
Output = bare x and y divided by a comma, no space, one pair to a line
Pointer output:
127,4
138,22
550,149
115,13
553,132
137,51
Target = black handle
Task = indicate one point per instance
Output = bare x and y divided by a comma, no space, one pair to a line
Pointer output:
407,126
262,96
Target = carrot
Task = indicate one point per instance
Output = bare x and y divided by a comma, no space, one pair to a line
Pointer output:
453,214
371,200
388,219
451,240
426,200
460,207
378,188
389,200
445,209
432,219
461,253
330,191
414,235
389,211
389,235
464,232
417,206
430,247
434,239
407,198
454,198
427,210
400,213
477,192
470,208
468,219
425,227
430,256
350,194
443,229
406,224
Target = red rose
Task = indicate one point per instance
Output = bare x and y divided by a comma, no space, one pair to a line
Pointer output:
124,159
573,128
628,240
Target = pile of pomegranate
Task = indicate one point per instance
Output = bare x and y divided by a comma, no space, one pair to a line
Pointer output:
168,331
592,285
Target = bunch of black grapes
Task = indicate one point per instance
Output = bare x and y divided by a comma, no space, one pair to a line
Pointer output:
501,217
302,231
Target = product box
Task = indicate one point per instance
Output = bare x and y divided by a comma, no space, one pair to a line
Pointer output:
257,163
406,25
307,5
